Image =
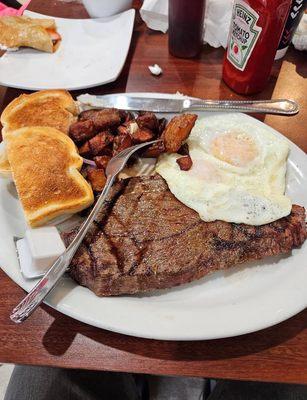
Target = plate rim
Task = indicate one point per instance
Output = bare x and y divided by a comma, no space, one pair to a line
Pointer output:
130,14
165,335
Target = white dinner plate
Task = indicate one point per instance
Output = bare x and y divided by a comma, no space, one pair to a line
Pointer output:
238,301
92,52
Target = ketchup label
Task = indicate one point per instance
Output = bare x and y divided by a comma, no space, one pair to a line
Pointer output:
244,34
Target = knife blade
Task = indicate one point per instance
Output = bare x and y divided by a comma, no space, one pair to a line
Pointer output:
184,104
132,103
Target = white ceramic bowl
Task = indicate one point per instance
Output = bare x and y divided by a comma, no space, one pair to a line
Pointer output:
105,8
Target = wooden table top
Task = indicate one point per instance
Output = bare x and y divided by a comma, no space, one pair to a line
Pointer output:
50,338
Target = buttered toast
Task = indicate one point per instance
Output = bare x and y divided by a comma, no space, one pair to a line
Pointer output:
45,167
5,168
53,108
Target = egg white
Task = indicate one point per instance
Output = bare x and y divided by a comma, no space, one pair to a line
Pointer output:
252,193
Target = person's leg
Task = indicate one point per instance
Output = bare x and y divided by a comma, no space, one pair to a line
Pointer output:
239,390
176,388
44,383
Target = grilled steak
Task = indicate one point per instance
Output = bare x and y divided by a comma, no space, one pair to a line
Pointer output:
146,239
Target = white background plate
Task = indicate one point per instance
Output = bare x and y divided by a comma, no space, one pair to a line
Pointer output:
234,302
92,53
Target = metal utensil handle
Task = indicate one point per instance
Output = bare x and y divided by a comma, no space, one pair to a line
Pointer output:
29,304
26,307
279,106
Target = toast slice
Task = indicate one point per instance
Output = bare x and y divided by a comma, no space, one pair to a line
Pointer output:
54,108
45,166
5,168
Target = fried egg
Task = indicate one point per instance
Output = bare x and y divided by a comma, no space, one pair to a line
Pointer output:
238,173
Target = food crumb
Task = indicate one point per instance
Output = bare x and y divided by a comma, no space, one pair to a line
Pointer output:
155,69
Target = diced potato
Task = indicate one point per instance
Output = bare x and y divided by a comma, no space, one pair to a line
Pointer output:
185,163
100,141
121,143
81,131
97,178
102,119
102,161
177,131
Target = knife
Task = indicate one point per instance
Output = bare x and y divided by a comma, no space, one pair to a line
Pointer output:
184,104
12,3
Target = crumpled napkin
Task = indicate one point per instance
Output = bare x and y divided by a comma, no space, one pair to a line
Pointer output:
216,24
9,11
299,39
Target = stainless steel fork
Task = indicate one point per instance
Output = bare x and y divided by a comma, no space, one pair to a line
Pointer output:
28,305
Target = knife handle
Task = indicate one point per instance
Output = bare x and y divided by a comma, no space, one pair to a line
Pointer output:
12,3
279,106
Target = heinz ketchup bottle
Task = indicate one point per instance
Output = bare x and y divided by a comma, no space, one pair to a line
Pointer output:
255,31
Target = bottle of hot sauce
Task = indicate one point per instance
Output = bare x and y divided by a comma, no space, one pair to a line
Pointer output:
255,31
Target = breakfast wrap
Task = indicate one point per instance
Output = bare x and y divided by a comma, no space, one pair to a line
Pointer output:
21,31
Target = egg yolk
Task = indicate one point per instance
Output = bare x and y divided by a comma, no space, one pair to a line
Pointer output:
234,148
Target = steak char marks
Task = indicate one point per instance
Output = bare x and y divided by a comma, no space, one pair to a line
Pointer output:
146,239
